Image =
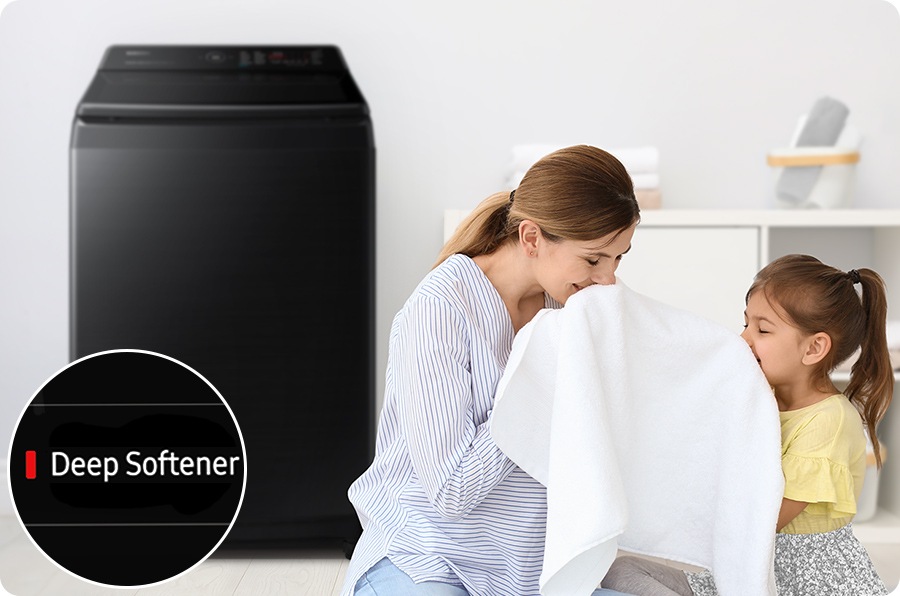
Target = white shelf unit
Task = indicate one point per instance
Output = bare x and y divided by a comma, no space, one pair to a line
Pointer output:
704,261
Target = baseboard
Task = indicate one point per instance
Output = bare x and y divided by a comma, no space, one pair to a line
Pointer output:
6,507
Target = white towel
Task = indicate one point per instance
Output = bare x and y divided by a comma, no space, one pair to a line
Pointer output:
637,160
645,181
654,431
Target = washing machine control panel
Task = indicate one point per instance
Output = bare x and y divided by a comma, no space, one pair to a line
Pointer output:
142,58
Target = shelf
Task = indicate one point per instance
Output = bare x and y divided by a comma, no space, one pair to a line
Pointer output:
782,218
772,218
881,528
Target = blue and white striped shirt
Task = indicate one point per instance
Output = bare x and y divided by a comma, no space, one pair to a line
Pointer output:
440,499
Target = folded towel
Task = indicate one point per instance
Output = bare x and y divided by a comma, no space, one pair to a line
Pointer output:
637,160
645,181
822,127
654,431
514,179
648,198
641,181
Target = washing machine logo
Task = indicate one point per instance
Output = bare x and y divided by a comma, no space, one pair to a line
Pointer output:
127,468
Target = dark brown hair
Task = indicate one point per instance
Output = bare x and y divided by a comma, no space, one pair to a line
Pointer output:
575,193
815,297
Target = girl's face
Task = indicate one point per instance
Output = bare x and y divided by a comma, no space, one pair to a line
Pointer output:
779,347
571,265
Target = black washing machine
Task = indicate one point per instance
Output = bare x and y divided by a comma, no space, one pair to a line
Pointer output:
223,214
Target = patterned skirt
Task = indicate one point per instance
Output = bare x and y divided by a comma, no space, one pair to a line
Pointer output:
833,563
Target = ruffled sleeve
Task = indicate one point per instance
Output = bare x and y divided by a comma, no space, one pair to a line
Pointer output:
826,485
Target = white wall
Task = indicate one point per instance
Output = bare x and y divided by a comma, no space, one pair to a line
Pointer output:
452,86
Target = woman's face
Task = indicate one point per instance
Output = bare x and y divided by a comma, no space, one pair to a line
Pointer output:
566,267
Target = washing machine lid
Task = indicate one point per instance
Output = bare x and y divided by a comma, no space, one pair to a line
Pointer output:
223,81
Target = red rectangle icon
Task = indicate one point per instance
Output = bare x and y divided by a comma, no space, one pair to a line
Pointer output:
30,465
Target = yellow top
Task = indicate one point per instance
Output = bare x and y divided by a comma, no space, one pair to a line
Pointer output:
823,456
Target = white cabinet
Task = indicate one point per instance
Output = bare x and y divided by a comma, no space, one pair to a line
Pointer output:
701,269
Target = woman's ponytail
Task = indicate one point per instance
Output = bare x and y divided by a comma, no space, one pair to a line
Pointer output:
482,231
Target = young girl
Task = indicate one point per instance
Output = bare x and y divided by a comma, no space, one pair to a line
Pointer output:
803,318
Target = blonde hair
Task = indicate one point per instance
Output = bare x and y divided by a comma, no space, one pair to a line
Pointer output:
575,193
815,297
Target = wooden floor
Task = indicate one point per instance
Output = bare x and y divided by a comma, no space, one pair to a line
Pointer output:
24,571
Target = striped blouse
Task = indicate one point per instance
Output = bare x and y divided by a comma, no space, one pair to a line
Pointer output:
440,499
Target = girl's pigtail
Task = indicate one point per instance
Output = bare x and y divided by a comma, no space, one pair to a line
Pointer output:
871,385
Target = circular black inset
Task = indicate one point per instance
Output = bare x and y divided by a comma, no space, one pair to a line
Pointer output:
127,468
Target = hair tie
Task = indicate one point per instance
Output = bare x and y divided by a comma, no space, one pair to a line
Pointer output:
854,276
512,194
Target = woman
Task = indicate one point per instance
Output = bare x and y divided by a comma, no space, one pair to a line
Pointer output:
443,510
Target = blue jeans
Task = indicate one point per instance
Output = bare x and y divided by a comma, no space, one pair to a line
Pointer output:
385,579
